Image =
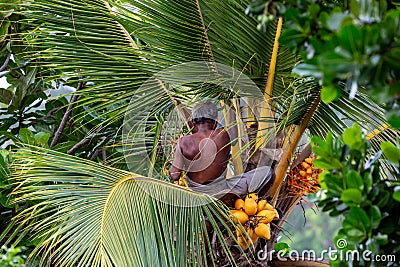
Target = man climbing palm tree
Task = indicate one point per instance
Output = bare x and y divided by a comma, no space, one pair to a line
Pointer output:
204,156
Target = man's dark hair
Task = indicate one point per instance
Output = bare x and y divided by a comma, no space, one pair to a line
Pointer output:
203,120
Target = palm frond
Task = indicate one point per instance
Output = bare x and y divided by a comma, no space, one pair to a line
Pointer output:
87,214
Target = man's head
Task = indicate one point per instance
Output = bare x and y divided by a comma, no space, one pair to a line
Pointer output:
205,112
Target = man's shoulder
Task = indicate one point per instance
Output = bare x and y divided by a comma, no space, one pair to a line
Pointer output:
184,140
221,133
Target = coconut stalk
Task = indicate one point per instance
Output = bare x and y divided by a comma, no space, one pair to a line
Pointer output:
237,147
264,125
289,148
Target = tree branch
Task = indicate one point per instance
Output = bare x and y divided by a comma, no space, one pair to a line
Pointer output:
78,145
104,155
11,69
5,64
95,154
66,116
50,113
85,141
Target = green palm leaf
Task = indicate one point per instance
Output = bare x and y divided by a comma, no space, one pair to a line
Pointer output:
86,214
102,216
117,45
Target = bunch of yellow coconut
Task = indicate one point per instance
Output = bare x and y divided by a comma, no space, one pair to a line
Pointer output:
255,216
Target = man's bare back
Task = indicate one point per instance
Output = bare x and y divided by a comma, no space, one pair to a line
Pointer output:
204,155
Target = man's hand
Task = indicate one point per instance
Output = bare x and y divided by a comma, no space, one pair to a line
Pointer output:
175,175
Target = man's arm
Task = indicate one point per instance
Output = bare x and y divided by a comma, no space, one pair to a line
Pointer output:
177,164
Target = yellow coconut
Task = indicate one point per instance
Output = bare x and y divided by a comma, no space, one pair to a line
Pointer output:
239,204
261,204
266,216
253,196
252,234
250,206
263,230
269,207
308,160
264,205
239,215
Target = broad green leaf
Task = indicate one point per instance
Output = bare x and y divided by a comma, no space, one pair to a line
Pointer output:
359,216
353,137
329,206
282,246
351,195
304,70
5,96
351,39
375,216
327,164
393,117
354,180
27,136
321,178
42,139
334,184
384,197
355,234
335,21
391,152
291,37
396,193
329,94
4,24
356,225
313,10
337,63
367,181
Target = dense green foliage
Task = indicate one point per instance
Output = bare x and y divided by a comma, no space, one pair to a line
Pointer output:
20,101
80,206
11,257
354,42
5,189
353,187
